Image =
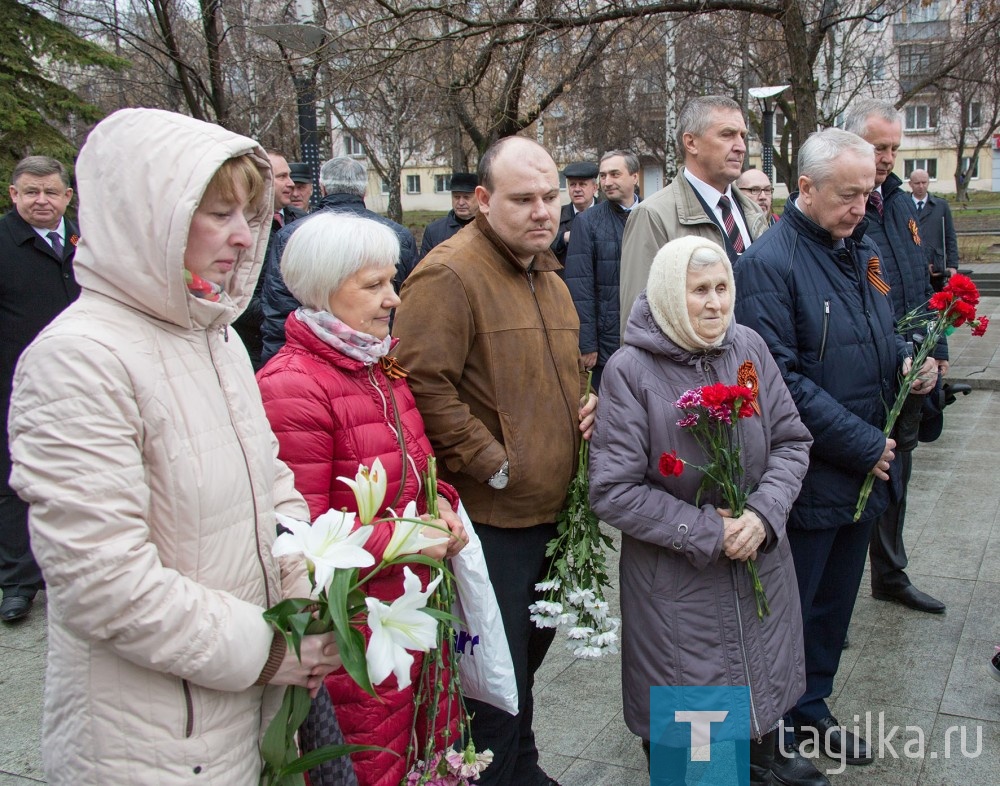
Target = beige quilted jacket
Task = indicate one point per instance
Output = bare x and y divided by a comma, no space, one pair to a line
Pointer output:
139,439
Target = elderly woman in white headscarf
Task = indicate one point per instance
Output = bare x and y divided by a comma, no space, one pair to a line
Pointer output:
688,608
139,440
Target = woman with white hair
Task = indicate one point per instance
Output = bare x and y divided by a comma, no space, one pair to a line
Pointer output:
688,610
337,399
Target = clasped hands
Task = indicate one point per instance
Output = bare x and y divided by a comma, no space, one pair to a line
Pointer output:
741,536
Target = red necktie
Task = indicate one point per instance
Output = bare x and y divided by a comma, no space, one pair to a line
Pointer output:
876,201
729,221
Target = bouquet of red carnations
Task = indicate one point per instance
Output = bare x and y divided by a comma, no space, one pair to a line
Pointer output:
952,307
712,414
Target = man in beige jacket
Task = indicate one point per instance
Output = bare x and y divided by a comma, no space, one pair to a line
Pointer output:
711,139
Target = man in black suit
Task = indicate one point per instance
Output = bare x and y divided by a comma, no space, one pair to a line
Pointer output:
937,230
36,283
581,184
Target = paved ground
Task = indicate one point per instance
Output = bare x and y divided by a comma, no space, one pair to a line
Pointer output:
926,674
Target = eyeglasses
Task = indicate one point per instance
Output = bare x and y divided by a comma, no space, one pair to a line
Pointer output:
757,190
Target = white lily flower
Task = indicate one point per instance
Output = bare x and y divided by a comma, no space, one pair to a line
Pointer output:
580,633
369,490
407,537
328,544
399,627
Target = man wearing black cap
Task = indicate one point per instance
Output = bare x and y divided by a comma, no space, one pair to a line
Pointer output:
463,210
302,186
581,183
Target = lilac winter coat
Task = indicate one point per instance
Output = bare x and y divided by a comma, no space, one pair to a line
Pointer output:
688,612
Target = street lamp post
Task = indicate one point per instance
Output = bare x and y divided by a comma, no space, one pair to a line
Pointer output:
305,39
764,96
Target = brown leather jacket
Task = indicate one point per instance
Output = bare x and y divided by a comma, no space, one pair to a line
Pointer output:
492,352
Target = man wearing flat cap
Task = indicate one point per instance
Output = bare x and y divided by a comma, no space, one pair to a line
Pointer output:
581,183
302,186
463,210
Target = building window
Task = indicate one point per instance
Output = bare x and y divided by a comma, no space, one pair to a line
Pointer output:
779,124
922,11
974,163
385,186
442,184
915,62
921,117
352,147
929,165
875,69
974,117
413,184
562,182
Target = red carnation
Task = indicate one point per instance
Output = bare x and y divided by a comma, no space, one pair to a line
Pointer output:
745,397
980,328
963,288
670,465
941,300
963,312
716,395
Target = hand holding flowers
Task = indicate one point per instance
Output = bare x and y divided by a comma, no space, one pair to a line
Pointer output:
577,577
334,551
952,307
712,415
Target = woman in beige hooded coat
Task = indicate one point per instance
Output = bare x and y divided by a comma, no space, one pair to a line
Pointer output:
139,439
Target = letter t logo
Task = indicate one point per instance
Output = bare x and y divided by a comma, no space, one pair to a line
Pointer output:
701,730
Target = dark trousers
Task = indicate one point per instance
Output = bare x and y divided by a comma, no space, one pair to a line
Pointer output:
829,564
19,574
888,554
516,561
761,759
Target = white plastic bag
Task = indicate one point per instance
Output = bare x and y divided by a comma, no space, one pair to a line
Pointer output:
484,661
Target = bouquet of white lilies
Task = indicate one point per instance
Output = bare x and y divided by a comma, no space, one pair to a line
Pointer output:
334,552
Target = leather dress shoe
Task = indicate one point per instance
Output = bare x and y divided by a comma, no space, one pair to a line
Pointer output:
840,744
912,598
14,607
791,768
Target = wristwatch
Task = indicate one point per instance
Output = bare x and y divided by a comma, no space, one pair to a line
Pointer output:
500,477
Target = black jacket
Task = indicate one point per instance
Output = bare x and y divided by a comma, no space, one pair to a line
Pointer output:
937,215
593,260
904,257
248,324
439,231
831,333
566,215
35,285
277,302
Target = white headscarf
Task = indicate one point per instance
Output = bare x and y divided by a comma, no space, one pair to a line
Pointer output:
666,291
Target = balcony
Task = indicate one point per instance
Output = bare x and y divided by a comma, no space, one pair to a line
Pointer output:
904,32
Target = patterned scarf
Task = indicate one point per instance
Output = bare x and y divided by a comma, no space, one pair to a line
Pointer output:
344,339
201,288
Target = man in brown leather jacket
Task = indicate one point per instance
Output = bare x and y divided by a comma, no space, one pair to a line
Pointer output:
489,335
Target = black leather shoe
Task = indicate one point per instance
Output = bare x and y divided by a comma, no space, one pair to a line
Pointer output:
912,598
14,607
840,744
791,768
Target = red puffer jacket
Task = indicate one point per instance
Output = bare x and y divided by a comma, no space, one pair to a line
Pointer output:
331,413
